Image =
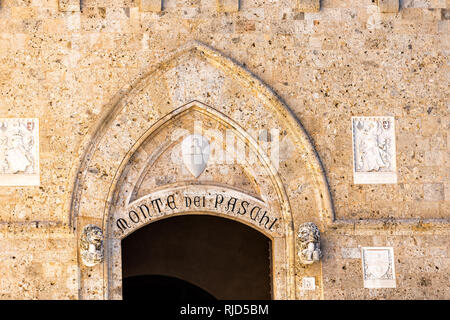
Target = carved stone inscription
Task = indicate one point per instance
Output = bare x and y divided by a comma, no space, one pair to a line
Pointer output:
212,199
19,152
374,150
378,267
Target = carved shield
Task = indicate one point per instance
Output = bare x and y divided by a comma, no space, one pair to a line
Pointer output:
377,262
30,126
195,150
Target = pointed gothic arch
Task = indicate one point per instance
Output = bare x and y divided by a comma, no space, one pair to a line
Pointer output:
119,150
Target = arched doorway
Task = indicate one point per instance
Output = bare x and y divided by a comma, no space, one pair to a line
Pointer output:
126,178
196,257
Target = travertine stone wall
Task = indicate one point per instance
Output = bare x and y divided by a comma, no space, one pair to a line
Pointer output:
388,6
421,257
150,5
69,5
309,5
66,67
38,261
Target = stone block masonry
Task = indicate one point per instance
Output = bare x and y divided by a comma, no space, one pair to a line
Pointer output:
98,77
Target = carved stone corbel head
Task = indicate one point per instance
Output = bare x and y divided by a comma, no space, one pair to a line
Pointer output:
309,243
91,245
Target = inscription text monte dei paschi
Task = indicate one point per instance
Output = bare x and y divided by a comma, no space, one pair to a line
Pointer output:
157,206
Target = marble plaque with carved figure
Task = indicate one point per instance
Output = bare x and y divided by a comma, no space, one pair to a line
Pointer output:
19,152
374,150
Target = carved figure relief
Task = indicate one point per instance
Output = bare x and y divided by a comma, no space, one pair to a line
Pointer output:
17,146
309,243
374,150
91,245
19,151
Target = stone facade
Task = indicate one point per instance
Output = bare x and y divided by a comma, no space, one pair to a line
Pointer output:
110,81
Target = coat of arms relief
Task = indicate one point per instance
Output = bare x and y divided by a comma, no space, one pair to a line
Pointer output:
19,151
378,267
374,150
195,150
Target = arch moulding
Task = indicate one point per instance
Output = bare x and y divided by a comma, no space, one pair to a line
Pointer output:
127,162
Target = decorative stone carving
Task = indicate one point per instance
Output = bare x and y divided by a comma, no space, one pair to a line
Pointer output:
309,283
195,150
309,243
228,5
69,5
378,267
19,152
198,198
374,150
150,5
91,245
389,6
308,5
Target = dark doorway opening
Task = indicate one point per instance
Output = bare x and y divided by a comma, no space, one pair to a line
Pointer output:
155,287
196,257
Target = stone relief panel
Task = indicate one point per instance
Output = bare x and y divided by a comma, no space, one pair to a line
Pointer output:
374,150
91,245
378,267
19,152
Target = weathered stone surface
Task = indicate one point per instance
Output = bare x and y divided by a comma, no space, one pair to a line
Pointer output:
389,6
228,5
98,79
150,5
69,5
308,5
351,253
433,192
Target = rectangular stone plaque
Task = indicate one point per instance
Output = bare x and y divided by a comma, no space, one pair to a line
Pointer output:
19,152
374,158
309,283
378,267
